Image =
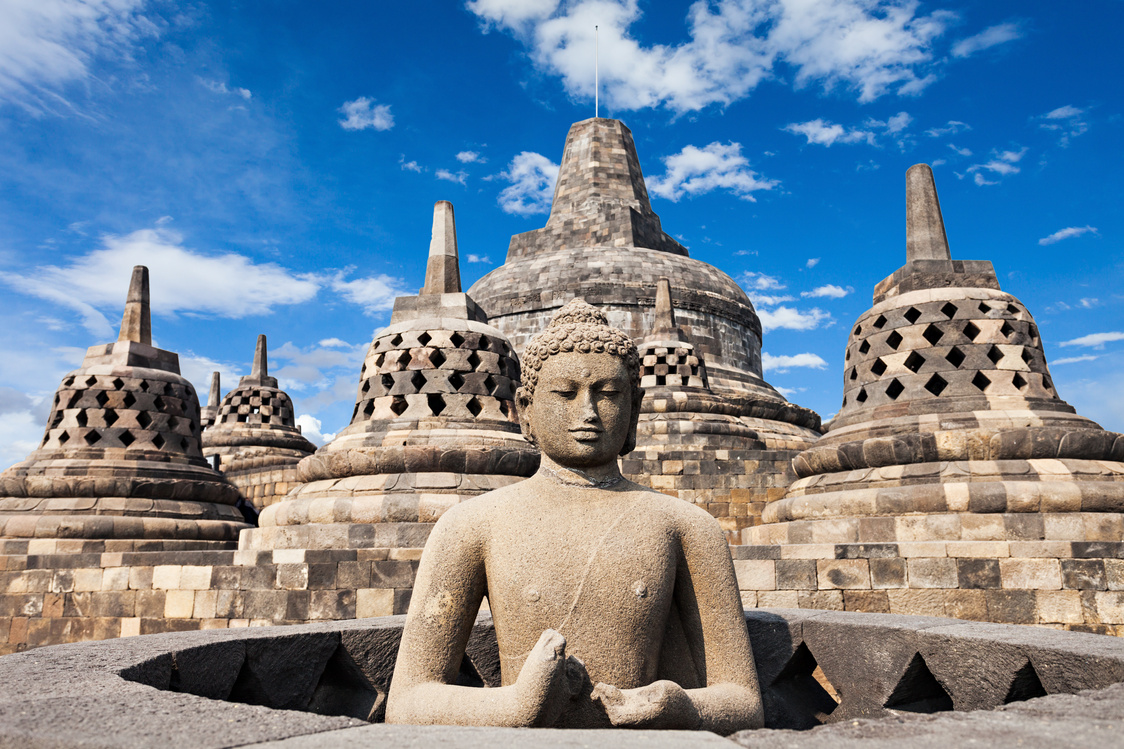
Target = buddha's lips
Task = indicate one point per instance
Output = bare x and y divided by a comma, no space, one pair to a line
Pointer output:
588,434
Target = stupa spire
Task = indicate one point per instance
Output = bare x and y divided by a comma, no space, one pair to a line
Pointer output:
664,327
924,227
136,323
215,395
442,272
261,359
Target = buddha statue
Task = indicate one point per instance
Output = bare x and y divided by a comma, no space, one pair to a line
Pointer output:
613,605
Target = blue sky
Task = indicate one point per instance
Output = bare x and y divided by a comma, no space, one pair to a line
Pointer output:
275,164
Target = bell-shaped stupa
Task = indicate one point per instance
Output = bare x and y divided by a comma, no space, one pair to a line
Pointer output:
256,437
121,457
950,427
434,424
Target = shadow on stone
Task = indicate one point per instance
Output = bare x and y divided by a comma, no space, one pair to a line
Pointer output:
1025,686
798,698
918,691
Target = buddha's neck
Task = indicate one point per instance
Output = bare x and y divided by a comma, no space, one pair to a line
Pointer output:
603,476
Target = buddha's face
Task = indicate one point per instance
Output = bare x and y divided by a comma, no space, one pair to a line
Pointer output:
582,411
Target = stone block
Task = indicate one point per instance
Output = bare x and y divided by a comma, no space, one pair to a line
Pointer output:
917,602
1030,574
166,576
179,604
1084,574
393,574
374,602
1059,607
332,605
140,578
978,574
115,578
194,577
87,579
937,572
756,574
1012,606
838,574
868,601
1114,574
887,573
1110,607
777,599
796,574
967,604
825,600
205,603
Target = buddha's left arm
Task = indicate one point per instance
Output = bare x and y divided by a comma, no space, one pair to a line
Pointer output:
706,593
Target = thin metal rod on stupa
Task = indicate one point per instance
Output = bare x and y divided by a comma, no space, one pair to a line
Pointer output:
261,359
214,397
442,271
136,323
924,227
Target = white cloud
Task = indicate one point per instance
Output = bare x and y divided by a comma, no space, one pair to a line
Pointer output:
830,291
960,151
768,300
219,87
470,157
374,293
1074,359
789,318
363,113
986,39
718,166
1095,340
1067,233
824,133
459,177
872,47
812,262
198,369
1069,121
46,44
898,122
937,162
759,281
314,367
478,258
532,177
952,128
334,343
772,363
310,427
1003,165
410,166
22,432
182,280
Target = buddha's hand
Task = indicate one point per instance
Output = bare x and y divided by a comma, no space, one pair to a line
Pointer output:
661,704
549,679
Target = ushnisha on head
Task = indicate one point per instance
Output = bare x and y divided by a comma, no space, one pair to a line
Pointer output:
579,344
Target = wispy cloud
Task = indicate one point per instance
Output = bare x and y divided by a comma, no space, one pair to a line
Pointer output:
986,39
952,128
830,291
363,113
790,318
718,166
410,166
459,177
478,258
374,294
1067,233
1002,165
1074,359
1067,121
766,292
532,177
771,363
870,47
1095,340
220,87
470,157
965,152
812,262
824,133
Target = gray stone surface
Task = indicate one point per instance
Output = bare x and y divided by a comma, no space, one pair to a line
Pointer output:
424,737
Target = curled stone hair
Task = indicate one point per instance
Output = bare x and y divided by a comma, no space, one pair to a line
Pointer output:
583,328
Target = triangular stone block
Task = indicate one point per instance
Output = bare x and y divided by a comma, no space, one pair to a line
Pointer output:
918,691
1025,686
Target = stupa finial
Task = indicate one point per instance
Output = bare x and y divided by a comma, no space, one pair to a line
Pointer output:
665,313
261,359
136,323
443,273
215,396
924,227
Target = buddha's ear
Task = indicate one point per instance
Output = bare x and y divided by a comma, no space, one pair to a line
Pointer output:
523,405
630,441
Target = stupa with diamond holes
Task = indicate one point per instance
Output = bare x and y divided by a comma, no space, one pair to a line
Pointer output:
434,424
121,457
603,243
950,428
256,437
690,441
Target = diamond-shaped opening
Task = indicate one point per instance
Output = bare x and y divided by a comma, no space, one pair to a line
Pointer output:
1047,382
1012,309
184,443
474,406
127,438
397,339
981,381
489,384
368,408
398,405
158,441
56,419
914,362
456,379
949,310
801,694
661,379
847,357
864,347
388,381
68,382
117,383
144,385
880,322
129,400
932,334
63,438
144,419
173,422
1018,381
436,403
91,438
424,338
110,417
994,354
918,691
894,340
436,358
895,389
75,396
1006,330
474,360
457,339
912,314
1025,686
91,381
854,373
101,398
878,368
1026,356
82,418
365,387
985,307
971,332
1034,332
158,403
417,379
858,329
861,397
936,384
485,343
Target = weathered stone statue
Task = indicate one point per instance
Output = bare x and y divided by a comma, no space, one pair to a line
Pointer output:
613,605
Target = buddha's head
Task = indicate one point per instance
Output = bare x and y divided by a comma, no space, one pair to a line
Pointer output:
580,397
